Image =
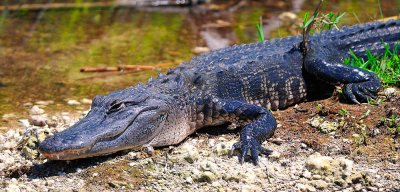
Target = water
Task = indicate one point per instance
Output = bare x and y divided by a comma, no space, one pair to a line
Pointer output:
41,52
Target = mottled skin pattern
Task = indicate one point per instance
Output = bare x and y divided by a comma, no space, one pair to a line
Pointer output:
236,85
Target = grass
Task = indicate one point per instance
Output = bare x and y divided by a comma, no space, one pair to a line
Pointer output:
260,30
392,123
385,66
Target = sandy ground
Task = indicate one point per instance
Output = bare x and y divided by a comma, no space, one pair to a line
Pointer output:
324,145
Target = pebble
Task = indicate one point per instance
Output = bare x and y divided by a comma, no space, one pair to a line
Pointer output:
211,142
189,180
319,164
306,174
275,155
316,177
316,121
73,102
199,50
224,148
36,110
301,187
49,102
287,17
39,120
86,101
319,184
358,187
189,152
389,91
370,188
25,123
277,141
206,176
328,127
9,116
206,165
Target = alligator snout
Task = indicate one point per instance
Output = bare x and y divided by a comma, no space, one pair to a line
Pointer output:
58,147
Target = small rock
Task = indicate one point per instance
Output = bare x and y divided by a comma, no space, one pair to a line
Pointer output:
189,180
347,166
30,153
328,127
206,176
224,148
52,122
318,164
28,104
211,142
389,91
199,50
25,123
303,146
316,121
356,177
306,174
206,165
319,184
39,120
370,188
249,188
49,102
306,187
275,155
358,187
301,187
86,101
36,110
9,145
73,102
316,177
287,17
117,184
189,151
9,116
277,141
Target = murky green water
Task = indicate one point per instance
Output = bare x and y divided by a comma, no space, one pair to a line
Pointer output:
41,52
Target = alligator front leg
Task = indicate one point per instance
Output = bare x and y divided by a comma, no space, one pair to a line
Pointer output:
359,85
258,125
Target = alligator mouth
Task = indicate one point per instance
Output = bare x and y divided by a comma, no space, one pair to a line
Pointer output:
85,152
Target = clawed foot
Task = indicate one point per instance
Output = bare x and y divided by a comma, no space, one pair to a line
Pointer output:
362,92
250,144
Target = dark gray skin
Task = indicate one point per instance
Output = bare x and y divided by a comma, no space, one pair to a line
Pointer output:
236,85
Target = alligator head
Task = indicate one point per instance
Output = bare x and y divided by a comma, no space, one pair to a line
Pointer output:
123,119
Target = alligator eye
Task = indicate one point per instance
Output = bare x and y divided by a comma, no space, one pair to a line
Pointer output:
116,106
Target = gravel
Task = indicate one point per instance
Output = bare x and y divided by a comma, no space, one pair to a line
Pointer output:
200,163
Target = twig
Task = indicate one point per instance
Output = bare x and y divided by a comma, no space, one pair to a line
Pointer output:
99,69
306,30
56,6
138,68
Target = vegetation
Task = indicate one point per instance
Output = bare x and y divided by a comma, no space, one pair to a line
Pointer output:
386,66
260,30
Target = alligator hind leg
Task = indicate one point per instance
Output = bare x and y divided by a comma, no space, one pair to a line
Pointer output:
359,85
258,125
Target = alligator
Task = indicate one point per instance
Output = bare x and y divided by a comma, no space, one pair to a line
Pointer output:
236,86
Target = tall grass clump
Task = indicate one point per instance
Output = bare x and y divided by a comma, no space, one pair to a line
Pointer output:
385,66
